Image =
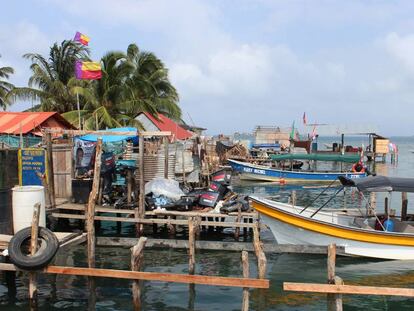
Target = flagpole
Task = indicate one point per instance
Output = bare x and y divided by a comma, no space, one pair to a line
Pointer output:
79,114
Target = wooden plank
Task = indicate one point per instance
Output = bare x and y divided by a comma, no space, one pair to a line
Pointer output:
218,245
81,207
150,276
245,264
157,221
90,212
74,241
348,289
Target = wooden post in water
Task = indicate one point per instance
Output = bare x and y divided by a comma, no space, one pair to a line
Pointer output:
293,198
386,206
166,151
140,210
245,264
90,212
33,250
191,246
404,205
334,300
261,257
192,224
49,169
238,219
90,223
137,259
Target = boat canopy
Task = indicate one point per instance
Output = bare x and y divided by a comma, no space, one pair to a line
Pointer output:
379,183
348,158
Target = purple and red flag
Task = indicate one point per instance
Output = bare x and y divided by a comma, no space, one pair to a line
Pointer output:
87,70
81,38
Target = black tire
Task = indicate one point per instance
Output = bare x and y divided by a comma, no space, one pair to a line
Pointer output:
49,245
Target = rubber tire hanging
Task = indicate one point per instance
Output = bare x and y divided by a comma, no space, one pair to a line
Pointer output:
49,245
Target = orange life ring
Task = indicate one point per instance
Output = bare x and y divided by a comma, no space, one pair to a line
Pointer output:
358,168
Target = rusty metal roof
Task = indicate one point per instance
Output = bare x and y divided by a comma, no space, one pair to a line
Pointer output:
166,124
30,122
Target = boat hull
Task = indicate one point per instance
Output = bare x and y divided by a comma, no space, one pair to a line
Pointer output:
288,227
250,171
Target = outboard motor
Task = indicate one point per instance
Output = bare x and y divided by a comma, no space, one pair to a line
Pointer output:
208,199
222,176
218,187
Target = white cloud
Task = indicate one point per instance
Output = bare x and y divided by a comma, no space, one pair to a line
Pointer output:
401,47
260,62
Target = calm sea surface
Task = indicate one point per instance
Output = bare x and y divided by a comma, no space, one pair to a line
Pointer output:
71,292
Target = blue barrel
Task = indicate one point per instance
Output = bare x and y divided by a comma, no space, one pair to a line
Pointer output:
6,215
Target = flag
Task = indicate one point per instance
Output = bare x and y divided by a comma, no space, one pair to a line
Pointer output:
87,70
292,133
81,38
304,118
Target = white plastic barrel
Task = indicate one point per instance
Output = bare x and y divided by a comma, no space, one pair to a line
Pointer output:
24,199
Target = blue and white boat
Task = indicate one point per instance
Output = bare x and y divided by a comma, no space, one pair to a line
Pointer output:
249,171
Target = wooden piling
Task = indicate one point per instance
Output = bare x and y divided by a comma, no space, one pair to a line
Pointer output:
191,246
49,169
238,219
33,250
137,259
261,257
404,205
386,206
245,264
334,301
129,186
166,151
90,212
183,165
140,210
293,198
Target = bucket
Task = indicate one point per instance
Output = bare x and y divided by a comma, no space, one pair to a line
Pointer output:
24,199
6,220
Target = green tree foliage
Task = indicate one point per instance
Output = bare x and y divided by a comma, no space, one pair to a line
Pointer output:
5,87
52,81
131,83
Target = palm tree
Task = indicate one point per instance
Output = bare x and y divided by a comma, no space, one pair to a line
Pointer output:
5,87
52,81
104,98
131,83
150,88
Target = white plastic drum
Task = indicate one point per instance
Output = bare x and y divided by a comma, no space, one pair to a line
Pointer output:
24,199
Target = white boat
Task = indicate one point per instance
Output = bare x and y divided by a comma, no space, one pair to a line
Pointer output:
351,229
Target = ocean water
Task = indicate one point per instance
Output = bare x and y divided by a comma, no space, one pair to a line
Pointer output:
71,292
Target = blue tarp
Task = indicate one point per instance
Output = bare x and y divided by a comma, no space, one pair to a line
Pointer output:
113,138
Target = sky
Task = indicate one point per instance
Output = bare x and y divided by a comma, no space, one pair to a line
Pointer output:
238,64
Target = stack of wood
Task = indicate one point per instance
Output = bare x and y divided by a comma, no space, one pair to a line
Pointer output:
238,152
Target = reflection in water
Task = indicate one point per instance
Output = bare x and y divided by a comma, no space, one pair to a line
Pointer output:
71,292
